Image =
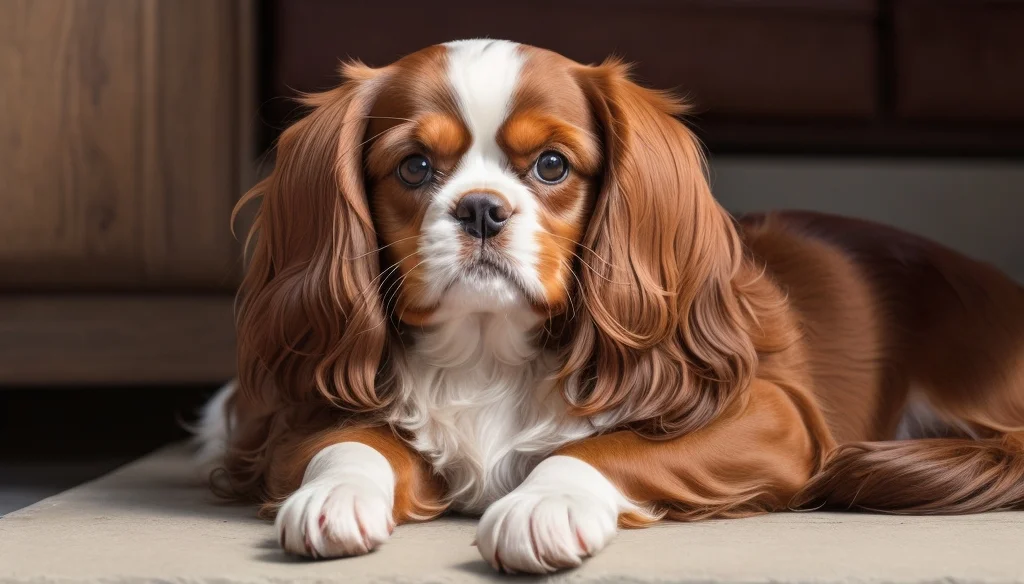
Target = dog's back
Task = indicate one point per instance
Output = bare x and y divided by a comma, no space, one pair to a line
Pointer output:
917,354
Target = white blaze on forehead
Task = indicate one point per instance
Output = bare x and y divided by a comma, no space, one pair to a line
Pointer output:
484,74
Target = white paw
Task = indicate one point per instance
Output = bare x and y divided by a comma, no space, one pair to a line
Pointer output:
344,506
562,513
328,520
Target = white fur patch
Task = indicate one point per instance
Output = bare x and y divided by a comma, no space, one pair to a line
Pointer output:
563,512
484,74
921,420
344,506
211,432
476,395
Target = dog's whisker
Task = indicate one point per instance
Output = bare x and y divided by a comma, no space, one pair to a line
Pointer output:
383,247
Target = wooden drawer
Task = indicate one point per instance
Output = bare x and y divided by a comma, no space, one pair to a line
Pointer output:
774,58
959,59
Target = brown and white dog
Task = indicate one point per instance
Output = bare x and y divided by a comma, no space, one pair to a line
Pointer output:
489,279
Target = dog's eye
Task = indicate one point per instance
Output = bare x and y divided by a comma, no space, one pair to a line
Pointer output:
551,167
414,170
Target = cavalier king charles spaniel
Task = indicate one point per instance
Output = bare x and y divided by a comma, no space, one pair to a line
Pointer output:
488,279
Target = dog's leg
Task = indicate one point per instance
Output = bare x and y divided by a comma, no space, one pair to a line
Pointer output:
356,484
749,461
211,432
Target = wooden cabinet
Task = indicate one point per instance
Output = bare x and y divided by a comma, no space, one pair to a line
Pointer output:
123,147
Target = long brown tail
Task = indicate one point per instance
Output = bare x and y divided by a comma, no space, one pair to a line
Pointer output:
929,477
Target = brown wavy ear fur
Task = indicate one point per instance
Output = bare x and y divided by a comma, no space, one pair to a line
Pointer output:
309,319
660,343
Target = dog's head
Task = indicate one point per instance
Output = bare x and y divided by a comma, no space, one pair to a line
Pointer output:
488,177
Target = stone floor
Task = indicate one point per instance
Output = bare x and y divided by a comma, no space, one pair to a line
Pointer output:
152,521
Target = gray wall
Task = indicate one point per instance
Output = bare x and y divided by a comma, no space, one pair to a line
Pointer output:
974,206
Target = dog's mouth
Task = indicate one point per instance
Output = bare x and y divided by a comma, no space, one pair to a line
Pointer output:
489,268
494,270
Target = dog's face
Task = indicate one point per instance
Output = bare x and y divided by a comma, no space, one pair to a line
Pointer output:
482,163
491,177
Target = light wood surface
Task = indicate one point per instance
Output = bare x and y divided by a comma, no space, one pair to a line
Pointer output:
121,148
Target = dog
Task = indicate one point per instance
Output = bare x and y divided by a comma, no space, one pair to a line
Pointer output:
489,279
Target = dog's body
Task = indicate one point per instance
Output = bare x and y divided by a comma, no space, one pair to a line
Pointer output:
489,279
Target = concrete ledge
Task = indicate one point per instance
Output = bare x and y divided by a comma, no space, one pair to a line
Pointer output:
151,521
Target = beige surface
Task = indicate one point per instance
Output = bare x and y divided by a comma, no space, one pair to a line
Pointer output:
149,521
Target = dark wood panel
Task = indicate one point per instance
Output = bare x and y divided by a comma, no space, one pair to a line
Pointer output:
877,138
959,60
82,340
787,59
906,77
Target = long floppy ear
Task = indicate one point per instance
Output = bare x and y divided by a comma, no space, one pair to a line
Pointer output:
661,342
309,319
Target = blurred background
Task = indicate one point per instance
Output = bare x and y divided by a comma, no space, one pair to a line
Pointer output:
128,129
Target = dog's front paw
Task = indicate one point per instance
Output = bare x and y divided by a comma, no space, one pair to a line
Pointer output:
328,520
344,506
564,511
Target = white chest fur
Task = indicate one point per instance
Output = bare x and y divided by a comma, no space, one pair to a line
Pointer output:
477,398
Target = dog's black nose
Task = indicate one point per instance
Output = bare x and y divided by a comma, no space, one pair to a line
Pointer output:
482,215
